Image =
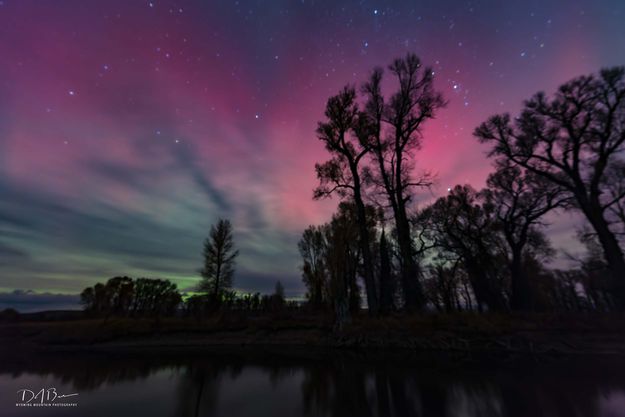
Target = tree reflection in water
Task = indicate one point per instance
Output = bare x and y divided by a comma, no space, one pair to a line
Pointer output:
333,384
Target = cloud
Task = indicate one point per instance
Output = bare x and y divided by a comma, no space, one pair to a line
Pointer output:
10,254
26,301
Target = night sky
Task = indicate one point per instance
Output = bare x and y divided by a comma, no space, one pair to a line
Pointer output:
128,127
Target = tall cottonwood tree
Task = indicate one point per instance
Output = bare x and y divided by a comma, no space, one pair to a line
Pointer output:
460,225
573,140
219,260
341,134
395,129
518,200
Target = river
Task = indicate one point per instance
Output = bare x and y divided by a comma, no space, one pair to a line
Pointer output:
260,382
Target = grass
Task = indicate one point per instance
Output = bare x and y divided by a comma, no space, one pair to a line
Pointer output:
470,331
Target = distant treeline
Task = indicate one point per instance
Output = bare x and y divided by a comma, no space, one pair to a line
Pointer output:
144,297
471,249
125,296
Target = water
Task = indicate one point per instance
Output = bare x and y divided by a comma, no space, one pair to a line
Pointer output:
254,382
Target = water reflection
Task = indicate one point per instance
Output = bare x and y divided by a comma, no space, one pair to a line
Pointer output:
252,382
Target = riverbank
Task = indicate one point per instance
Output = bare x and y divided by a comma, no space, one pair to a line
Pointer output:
464,333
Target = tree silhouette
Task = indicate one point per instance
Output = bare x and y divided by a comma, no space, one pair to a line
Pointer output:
615,184
342,260
155,296
312,248
573,140
123,296
395,130
387,280
278,296
343,139
219,260
443,288
120,292
519,199
464,228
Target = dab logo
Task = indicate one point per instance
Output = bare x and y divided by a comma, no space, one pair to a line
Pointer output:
45,397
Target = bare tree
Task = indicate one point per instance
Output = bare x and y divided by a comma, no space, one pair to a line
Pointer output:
573,140
519,200
342,260
342,174
459,225
312,248
396,132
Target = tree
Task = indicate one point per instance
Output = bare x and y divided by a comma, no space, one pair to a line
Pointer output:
334,247
573,140
219,260
120,291
155,297
615,184
342,259
395,130
519,199
459,225
279,290
443,287
344,140
87,299
114,297
277,299
312,248
387,280
124,296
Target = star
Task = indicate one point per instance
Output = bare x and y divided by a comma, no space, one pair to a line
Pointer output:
71,92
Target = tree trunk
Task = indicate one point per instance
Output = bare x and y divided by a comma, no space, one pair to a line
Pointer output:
520,299
341,311
413,293
611,250
386,284
365,248
485,292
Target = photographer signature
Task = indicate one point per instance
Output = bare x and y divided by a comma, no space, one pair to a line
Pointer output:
44,395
